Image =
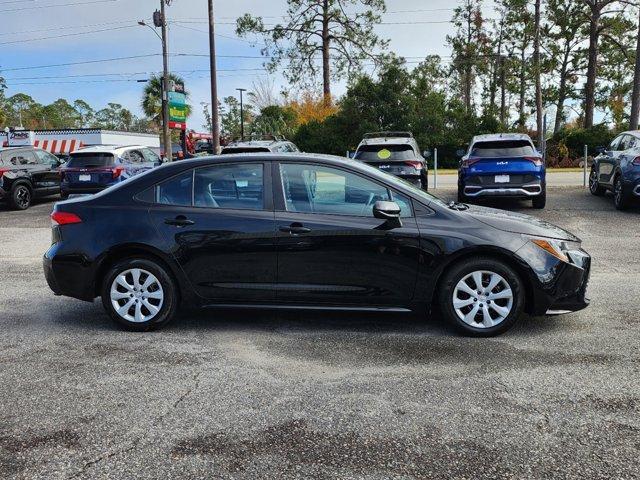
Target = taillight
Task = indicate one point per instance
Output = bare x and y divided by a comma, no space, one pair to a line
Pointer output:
3,171
537,161
64,218
117,171
414,163
636,162
469,161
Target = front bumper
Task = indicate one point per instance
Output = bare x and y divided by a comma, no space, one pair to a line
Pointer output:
558,287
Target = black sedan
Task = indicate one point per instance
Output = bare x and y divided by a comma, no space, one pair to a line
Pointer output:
308,232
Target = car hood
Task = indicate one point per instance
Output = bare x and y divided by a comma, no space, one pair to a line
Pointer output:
518,223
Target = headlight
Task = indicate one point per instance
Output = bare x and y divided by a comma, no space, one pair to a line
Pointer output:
557,248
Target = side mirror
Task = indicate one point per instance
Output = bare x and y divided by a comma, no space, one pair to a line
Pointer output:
460,152
389,211
601,150
426,154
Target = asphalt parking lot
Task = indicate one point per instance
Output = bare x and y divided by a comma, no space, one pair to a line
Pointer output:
235,395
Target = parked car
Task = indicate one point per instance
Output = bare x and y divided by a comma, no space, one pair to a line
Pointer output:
396,153
277,145
267,231
92,169
27,173
502,165
617,168
177,152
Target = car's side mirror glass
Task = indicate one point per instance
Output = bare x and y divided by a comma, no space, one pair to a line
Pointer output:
460,152
426,154
601,150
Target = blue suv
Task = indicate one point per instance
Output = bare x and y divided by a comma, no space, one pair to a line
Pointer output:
502,165
617,168
92,169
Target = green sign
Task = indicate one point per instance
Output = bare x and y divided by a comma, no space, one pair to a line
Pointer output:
177,107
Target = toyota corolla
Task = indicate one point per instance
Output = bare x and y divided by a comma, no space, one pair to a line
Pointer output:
307,232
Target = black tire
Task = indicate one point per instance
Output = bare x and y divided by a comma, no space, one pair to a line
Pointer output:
425,182
462,198
20,196
458,272
620,201
169,291
594,186
540,201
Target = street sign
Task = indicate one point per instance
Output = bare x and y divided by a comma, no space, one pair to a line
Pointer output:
177,109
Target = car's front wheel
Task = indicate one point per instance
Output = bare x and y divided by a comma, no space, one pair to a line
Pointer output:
481,297
139,294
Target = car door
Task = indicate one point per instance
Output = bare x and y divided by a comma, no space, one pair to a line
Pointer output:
607,161
29,166
330,247
50,174
219,223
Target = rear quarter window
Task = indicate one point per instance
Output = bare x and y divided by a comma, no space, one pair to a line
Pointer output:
90,160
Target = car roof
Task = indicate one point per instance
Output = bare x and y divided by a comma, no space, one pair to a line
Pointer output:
116,149
255,143
496,137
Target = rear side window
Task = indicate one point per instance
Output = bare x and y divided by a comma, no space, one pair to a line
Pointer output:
20,157
502,148
177,190
381,153
238,186
90,160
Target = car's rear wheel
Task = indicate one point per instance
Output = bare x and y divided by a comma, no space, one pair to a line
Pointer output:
20,197
540,201
594,185
139,294
481,297
619,199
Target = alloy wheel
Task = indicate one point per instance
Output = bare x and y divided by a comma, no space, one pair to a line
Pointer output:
593,181
136,295
617,191
23,196
482,299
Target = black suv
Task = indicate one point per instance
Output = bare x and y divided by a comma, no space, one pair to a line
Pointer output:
26,173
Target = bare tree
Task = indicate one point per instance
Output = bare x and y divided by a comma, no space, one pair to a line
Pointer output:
340,31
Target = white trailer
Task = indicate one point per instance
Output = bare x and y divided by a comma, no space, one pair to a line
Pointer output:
63,142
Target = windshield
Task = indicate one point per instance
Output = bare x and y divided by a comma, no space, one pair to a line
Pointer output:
244,150
90,160
415,191
381,153
503,148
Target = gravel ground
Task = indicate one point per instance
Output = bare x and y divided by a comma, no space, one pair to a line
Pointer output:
224,394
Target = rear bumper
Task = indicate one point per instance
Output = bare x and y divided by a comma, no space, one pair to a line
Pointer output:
71,189
525,191
3,193
68,275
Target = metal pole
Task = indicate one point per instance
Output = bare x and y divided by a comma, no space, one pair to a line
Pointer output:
166,135
584,169
435,168
215,116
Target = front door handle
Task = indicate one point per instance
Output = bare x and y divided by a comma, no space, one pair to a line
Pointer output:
295,229
179,221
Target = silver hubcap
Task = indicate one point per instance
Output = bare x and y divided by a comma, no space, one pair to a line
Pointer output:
482,299
136,295
593,182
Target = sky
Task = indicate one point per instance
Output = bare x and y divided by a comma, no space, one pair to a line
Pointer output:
38,33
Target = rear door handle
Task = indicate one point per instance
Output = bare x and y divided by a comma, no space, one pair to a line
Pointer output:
179,221
295,229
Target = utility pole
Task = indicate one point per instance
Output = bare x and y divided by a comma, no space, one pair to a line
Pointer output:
166,135
215,116
241,114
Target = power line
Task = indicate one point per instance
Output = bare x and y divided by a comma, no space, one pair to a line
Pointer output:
72,4
85,62
57,28
75,34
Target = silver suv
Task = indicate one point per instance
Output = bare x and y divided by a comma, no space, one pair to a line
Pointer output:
396,153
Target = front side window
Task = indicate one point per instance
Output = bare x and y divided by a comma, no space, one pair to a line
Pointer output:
236,186
326,190
46,158
615,144
150,156
176,191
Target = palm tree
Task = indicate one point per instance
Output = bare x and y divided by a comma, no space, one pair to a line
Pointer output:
152,98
